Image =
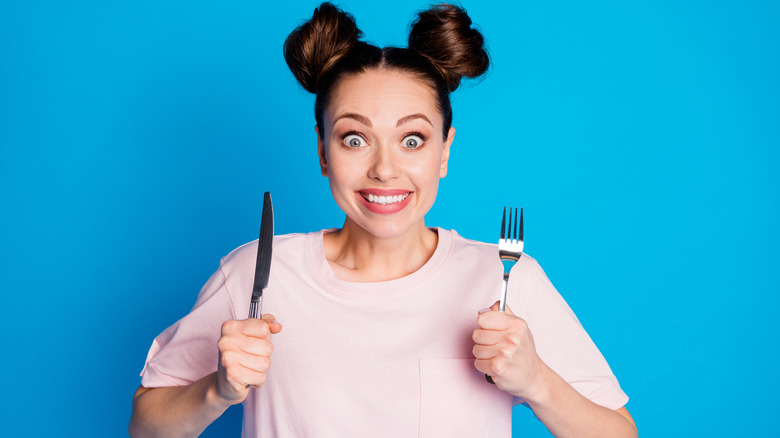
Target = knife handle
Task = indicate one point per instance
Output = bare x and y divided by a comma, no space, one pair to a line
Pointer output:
255,307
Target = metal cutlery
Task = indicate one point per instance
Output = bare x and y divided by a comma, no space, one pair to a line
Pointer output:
263,263
510,248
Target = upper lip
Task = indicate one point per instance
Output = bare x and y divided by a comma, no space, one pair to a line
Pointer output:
383,192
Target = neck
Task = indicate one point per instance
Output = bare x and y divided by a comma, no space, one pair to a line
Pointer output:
356,255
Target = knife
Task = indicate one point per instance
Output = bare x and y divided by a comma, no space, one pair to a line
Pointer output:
264,250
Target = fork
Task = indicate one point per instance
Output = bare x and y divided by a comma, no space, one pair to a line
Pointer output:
510,248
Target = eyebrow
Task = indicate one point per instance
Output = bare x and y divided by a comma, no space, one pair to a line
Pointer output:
364,120
411,117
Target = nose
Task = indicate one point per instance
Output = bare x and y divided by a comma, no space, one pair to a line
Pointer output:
385,166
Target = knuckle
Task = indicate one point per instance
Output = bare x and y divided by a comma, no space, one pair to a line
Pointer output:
497,368
264,363
230,374
227,359
261,347
264,328
514,339
506,352
228,326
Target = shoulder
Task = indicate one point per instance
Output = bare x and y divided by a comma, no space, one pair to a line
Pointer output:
470,248
284,245
461,247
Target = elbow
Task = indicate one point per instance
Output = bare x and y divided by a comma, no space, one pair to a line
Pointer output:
632,432
135,428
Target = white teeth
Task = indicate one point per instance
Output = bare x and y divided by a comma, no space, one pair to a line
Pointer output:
384,200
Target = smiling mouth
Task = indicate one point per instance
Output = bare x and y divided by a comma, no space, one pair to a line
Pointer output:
384,200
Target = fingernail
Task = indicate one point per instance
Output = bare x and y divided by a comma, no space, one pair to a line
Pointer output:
486,309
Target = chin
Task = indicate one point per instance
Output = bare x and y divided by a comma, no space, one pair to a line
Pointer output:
387,231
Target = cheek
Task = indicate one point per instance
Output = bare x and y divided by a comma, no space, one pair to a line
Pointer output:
431,164
341,172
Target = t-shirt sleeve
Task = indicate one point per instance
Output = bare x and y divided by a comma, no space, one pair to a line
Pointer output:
561,341
187,351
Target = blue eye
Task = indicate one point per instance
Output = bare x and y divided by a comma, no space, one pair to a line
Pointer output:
354,141
413,141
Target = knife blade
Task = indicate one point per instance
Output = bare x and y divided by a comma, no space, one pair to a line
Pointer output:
263,262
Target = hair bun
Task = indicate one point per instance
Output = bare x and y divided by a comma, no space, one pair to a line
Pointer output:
444,35
317,45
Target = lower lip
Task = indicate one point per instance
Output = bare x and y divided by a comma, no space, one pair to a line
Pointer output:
374,207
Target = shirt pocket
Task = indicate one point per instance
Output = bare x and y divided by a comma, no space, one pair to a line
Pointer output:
456,401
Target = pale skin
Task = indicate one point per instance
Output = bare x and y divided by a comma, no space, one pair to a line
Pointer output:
382,131
185,411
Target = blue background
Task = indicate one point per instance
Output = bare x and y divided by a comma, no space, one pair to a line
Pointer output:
641,138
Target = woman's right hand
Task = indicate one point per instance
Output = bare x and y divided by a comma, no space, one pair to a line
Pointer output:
244,356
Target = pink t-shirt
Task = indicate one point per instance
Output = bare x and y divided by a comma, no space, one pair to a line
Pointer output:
385,359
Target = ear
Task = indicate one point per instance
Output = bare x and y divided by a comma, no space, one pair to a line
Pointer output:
321,152
445,152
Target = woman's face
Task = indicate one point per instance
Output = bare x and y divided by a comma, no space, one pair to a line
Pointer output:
383,151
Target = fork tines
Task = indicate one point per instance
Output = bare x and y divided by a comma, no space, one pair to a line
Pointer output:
514,232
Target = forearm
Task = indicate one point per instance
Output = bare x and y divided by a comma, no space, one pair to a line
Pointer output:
177,411
567,413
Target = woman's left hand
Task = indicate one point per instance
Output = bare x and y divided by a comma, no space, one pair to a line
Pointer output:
504,349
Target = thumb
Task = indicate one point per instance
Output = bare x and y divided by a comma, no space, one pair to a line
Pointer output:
273,325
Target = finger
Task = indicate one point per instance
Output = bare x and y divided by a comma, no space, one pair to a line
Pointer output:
256,364
274,325
255,346
230,327
487,337
484,365
493,308
239,377
484,351
493,320
253,327
238,365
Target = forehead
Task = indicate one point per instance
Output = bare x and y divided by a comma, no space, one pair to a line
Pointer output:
384,93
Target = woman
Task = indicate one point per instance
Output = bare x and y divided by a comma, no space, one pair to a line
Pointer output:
383,333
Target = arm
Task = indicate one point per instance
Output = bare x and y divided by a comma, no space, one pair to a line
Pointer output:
176,410
180,411
567,413
505,350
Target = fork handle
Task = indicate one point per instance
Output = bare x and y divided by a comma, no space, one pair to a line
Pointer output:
501,307
502,300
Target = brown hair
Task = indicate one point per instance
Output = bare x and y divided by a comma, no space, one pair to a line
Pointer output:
443,48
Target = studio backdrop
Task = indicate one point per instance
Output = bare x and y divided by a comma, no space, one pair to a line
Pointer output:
641,139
